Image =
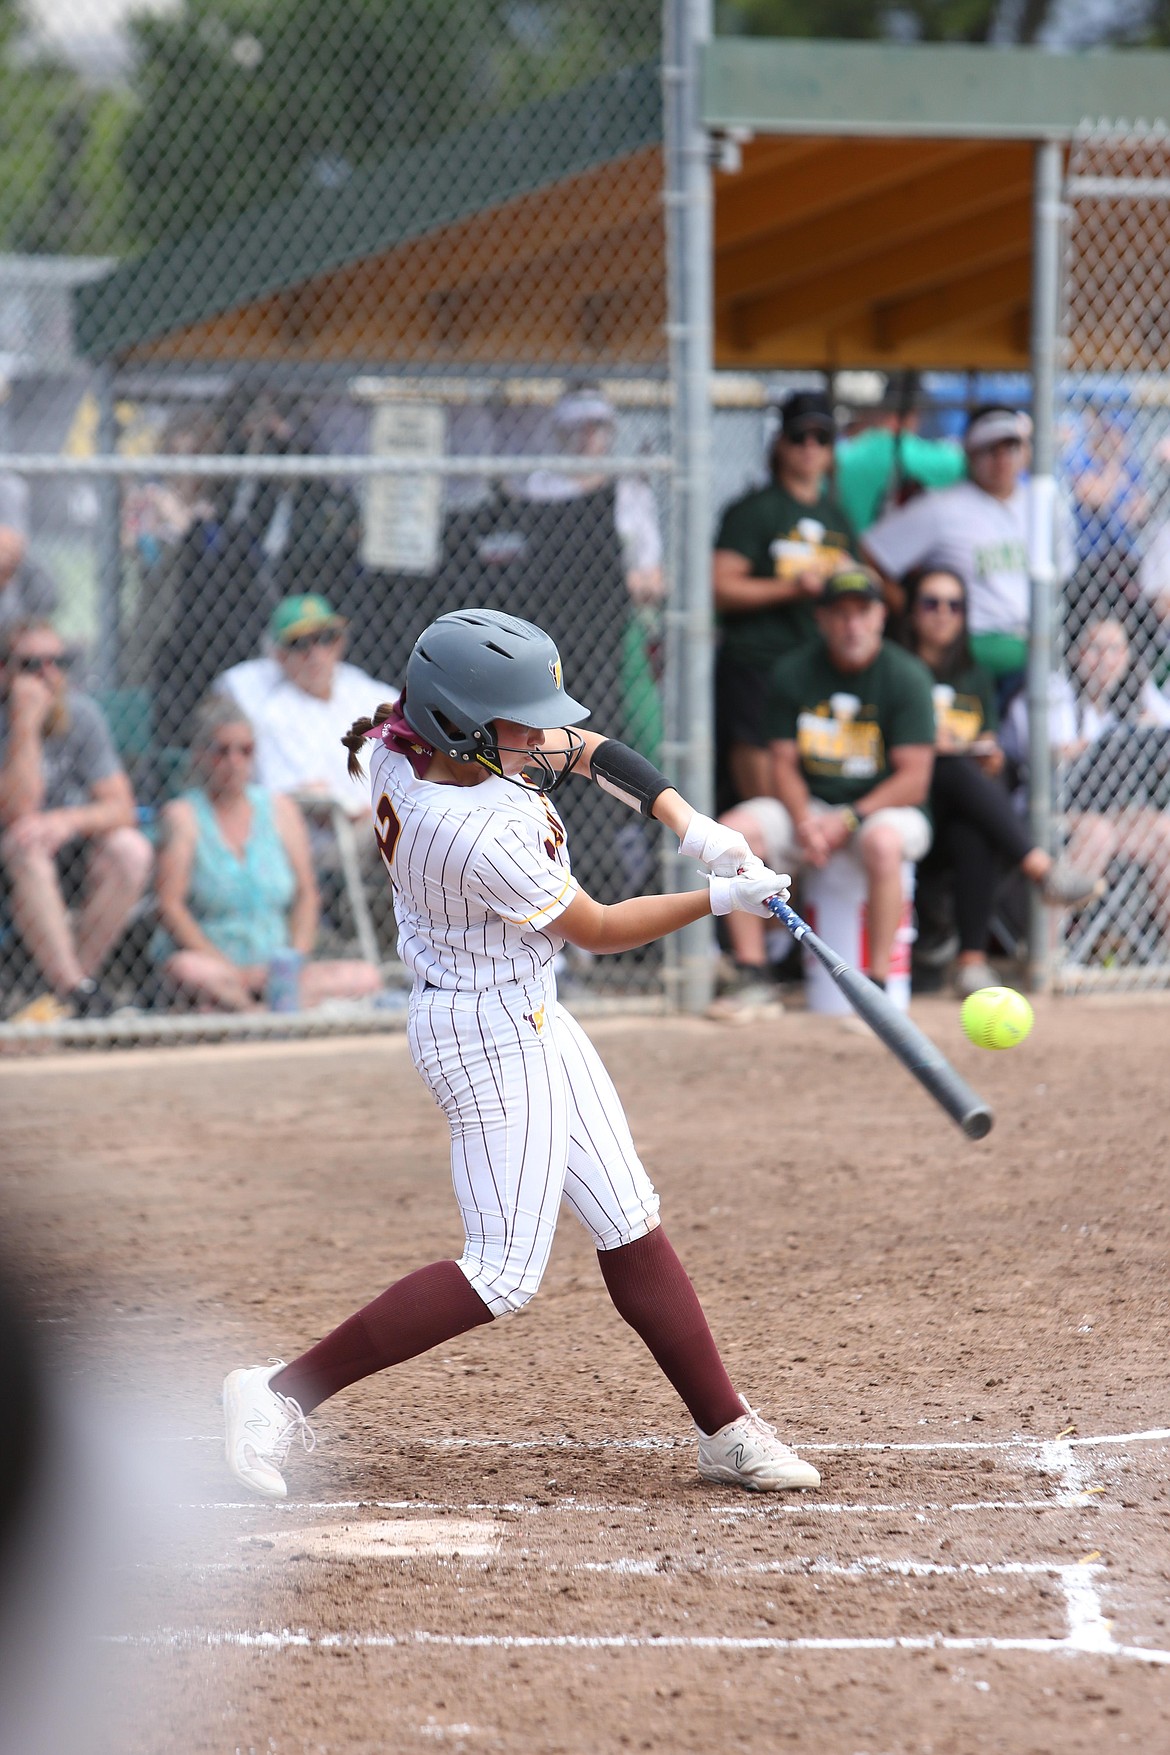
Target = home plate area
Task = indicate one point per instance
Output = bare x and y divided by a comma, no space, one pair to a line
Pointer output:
976,1547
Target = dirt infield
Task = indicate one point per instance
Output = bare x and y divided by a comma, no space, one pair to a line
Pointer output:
504,1547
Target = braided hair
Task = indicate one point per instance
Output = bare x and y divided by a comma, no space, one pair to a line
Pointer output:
354,738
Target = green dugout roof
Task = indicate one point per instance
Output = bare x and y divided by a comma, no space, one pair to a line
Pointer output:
780,86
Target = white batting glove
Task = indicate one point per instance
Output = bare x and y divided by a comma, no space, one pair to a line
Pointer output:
721,850
749,895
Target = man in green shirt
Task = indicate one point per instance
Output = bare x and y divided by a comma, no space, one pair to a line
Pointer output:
850,723
774,550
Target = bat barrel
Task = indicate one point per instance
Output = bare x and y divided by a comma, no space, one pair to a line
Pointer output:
903,1038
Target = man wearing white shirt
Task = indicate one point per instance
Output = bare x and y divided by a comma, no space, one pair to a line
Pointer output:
302,699
980,530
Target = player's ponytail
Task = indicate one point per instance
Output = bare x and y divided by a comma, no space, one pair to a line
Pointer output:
354,739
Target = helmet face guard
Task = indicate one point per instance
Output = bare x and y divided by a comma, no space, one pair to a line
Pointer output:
540,769
475,666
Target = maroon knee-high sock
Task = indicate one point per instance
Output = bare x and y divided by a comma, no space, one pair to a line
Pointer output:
650,1289
430,1306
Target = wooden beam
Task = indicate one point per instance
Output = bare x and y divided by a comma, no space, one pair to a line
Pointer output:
1002,344
989,292
841,170
957,248
894,215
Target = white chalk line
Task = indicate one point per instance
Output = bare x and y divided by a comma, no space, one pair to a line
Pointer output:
560,1442
864,1566
637,1508
286,1640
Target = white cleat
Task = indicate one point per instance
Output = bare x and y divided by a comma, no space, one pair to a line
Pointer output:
747,1453
261,1425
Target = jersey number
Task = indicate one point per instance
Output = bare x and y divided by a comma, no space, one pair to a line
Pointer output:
387,829
555,839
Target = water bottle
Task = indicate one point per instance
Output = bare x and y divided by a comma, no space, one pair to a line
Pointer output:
284,981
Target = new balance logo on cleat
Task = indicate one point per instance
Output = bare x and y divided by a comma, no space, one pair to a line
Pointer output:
747,1453
260,1427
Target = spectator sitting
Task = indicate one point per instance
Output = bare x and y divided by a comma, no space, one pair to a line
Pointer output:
851,725
884,462
302,698
1153,579
773,552
69,825
1111,733
28,591
978,529
976,831
235,880
1109,507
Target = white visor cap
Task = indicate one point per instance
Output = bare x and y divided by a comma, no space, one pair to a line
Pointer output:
995,426
582,408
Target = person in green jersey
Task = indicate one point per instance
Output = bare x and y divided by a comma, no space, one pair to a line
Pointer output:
850,726
884,461
977,834
773,552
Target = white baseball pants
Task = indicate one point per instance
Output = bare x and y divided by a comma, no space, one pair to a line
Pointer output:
534,1119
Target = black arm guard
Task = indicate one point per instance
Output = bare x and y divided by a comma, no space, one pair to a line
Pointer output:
620,770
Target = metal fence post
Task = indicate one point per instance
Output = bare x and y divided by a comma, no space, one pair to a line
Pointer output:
1046,255
108,645
686,31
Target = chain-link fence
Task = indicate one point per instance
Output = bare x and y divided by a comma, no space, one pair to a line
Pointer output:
370,301
1110,713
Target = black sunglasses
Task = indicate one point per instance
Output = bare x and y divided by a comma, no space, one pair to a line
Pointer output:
34,663
807,435
304,642
954,604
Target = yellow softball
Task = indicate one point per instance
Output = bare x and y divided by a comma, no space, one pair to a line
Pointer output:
996,1017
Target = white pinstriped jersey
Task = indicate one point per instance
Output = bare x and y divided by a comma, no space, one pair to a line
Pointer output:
480,873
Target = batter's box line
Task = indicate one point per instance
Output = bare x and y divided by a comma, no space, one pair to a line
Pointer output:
755,1507
1088,1629
288,1640
560,1442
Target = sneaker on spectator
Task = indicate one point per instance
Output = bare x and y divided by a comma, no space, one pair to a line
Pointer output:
751,994
973,977
936,953
43,1008
88,1000
1065,887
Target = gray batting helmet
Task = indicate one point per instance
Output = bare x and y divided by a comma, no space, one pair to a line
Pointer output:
477,665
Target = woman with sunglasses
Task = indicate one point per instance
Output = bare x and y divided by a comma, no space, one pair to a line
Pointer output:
235,881
976,831
774,549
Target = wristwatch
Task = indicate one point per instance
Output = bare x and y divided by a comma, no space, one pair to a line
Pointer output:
852,820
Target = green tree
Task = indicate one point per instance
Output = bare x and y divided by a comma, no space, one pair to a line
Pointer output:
941,21
61,186
240,102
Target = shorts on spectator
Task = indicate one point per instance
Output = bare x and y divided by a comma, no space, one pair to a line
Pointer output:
741,696
782,850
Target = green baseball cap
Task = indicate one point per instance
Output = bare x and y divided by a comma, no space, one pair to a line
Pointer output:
294,616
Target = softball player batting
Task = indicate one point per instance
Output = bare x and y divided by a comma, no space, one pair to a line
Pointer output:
461,774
